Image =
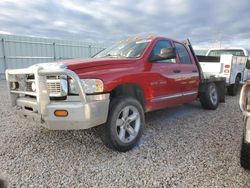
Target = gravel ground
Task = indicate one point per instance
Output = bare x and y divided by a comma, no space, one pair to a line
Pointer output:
181,147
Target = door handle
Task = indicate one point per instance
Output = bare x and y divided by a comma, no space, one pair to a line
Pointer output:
194,71
176,71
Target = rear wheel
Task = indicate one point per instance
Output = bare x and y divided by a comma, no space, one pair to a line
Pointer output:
210,98
233,88
124,125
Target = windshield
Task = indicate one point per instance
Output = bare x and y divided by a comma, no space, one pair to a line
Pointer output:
229,51
128,49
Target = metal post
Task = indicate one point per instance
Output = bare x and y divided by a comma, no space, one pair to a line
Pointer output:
54,50
4,55
89,48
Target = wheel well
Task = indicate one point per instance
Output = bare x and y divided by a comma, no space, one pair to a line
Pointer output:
131,90
239,75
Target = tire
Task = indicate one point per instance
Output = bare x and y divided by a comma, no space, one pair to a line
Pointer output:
233,88
210,98
245,153
124,125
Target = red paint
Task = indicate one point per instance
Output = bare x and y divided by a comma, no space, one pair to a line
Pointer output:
157,80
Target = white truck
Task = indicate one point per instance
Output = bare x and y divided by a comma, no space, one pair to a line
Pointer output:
229,63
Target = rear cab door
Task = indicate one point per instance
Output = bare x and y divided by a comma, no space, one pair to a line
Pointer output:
189,73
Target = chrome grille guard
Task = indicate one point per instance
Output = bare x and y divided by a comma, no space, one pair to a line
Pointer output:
41,93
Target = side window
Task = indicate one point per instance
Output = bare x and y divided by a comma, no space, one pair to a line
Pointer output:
159,46
239,53
183,54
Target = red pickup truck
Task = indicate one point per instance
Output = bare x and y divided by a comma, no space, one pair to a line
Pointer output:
114,88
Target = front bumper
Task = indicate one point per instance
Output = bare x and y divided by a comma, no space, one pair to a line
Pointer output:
84,111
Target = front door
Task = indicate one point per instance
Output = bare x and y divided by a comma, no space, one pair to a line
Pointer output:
165,79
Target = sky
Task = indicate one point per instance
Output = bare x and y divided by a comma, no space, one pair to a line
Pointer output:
206,23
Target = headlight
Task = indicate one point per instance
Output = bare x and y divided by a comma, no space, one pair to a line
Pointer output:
33,86
89,85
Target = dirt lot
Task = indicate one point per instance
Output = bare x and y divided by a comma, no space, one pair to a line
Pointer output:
181,147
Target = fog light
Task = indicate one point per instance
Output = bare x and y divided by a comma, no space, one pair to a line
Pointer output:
61,113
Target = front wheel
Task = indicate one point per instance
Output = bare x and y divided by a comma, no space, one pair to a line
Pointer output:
209,99
125,124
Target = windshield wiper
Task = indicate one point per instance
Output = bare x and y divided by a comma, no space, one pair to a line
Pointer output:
113,55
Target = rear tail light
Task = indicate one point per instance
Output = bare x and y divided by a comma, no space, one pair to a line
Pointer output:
227,69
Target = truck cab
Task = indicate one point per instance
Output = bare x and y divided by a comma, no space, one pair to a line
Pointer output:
114,88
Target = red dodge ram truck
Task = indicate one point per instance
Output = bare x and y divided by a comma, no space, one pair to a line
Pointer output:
114,88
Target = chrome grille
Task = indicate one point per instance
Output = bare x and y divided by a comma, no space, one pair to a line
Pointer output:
57,86
54,87
28,85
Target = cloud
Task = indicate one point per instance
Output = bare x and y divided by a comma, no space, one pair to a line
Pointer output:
204,22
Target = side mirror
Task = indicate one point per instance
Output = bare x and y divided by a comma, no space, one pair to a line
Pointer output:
165,53
248,63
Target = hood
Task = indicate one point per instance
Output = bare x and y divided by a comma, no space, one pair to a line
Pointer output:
88,68
52,65
97,63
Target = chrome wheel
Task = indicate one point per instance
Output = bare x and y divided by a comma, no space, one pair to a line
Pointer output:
213,94
128,124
